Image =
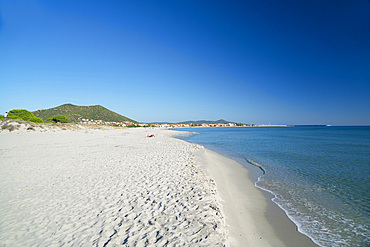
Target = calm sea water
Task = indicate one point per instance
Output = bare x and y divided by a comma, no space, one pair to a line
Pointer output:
320,176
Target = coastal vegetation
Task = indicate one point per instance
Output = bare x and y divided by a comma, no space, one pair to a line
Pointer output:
24,115
77,113
57,119
9,126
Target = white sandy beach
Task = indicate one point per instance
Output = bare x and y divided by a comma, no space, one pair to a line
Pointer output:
79,186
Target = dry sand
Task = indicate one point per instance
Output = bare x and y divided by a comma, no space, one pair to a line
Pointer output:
78,186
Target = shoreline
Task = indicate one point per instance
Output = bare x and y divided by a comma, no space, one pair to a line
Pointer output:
273,224
243,201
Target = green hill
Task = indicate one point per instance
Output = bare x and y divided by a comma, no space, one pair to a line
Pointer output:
76,113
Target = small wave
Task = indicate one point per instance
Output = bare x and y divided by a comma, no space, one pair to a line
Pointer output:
338,231
256,165
275,199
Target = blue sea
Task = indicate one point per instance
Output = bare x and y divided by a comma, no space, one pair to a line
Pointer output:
320,176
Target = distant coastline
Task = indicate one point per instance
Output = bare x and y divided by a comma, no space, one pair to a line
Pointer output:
231,125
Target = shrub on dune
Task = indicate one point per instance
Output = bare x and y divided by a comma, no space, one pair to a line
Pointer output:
36,120
58,119
14,117
24,115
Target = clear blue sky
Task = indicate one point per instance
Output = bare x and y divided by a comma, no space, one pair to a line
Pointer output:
268,61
